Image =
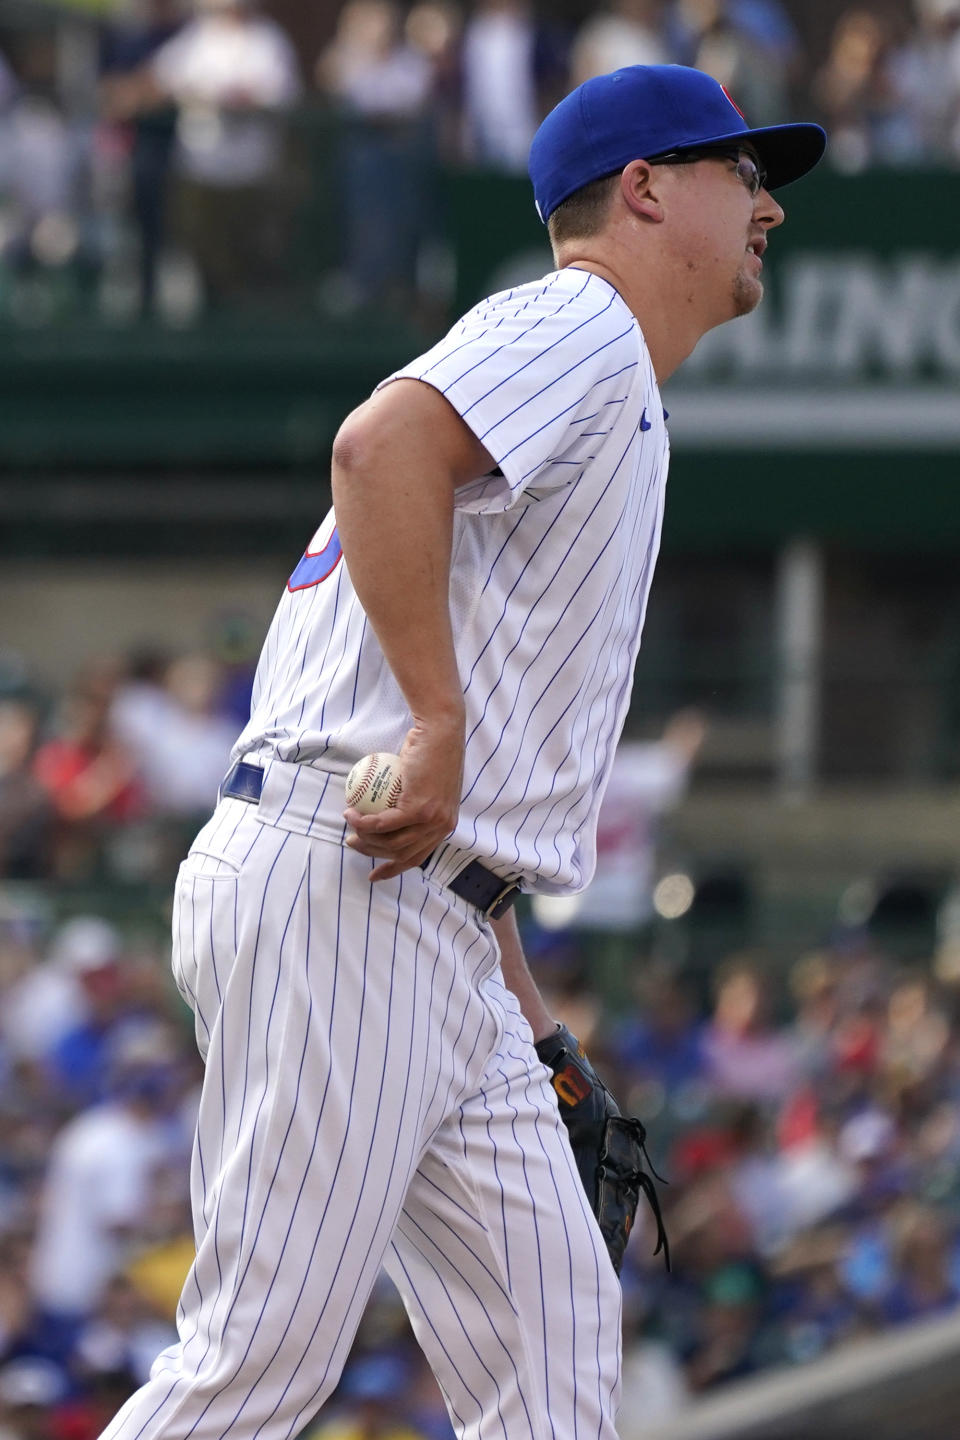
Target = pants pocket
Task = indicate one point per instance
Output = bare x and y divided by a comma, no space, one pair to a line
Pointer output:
204,936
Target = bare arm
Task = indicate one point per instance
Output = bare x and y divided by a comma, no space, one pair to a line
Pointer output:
397,462
125,96
518,978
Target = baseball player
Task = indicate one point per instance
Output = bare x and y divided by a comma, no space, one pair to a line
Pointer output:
380,1067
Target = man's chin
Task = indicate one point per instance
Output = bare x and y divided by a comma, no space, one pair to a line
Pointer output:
747,294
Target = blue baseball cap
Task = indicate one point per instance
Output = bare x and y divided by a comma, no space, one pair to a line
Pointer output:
643,111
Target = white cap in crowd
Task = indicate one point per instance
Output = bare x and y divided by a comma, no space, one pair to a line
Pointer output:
86,943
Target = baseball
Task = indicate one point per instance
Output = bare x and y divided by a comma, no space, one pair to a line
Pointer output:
374,783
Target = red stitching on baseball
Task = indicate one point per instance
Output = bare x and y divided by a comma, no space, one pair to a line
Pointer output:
364,785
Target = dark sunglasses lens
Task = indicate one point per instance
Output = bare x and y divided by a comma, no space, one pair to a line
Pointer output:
750,173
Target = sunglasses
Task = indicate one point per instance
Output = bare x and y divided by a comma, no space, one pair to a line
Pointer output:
748,170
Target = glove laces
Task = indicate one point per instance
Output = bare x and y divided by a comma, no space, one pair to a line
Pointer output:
646,1184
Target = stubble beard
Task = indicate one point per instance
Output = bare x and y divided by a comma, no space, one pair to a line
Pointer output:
747,293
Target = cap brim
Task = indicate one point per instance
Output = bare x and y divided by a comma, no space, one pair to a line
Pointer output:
786,151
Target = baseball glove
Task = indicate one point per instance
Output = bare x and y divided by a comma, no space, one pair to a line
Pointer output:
609,1148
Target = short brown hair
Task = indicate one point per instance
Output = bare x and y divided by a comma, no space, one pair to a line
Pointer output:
582,214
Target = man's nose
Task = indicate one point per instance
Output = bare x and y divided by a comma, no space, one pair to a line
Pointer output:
767,211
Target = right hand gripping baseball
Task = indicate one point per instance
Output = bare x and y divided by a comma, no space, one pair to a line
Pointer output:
607,1146
402,837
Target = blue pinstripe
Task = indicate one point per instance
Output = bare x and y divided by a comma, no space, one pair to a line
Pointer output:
630,643
456,383
557,415
491,1374
475,336
478,773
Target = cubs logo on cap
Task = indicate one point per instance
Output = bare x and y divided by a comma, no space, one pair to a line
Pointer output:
733,102
643,111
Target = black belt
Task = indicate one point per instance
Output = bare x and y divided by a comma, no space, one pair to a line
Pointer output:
491,894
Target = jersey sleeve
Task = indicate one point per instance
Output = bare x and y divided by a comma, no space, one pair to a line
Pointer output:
539,376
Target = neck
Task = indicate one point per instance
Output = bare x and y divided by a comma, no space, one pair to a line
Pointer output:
670,329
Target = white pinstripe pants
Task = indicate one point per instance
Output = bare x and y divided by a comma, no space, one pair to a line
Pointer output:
371,1097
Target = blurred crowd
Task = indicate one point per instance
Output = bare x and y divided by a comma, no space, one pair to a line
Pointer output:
107,780
810,1130
171,165
806,1113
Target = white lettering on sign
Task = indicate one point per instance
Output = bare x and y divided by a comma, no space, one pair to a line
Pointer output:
851,317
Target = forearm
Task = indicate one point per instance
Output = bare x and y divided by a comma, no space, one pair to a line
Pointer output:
517,976
397,462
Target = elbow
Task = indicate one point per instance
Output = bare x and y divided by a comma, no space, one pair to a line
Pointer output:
357,454
349,449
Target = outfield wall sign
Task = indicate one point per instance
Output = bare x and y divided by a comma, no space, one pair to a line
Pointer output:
846,351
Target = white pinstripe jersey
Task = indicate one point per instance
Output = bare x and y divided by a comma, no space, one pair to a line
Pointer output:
552,562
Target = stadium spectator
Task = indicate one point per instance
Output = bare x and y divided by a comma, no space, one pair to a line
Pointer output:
44,165
657,1044
17,1318
147,131
33,1392
727,1338
765,22
613,916
175,732
925,74
857,95
382,86
26,814
97,1196
76,1063
746,1058
748,45
624,32
142,706
231,73
514,70
367,1405
43,997
815,990
122,1337
649,778
501,107
924,1259
435,28
916,1045
88,775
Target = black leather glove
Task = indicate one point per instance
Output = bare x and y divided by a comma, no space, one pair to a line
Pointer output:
608,1147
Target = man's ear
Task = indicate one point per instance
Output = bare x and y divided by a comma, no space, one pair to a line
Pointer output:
641,190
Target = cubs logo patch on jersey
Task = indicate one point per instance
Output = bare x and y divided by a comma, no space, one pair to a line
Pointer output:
320,559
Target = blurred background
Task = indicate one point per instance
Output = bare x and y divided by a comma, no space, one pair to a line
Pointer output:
219,227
